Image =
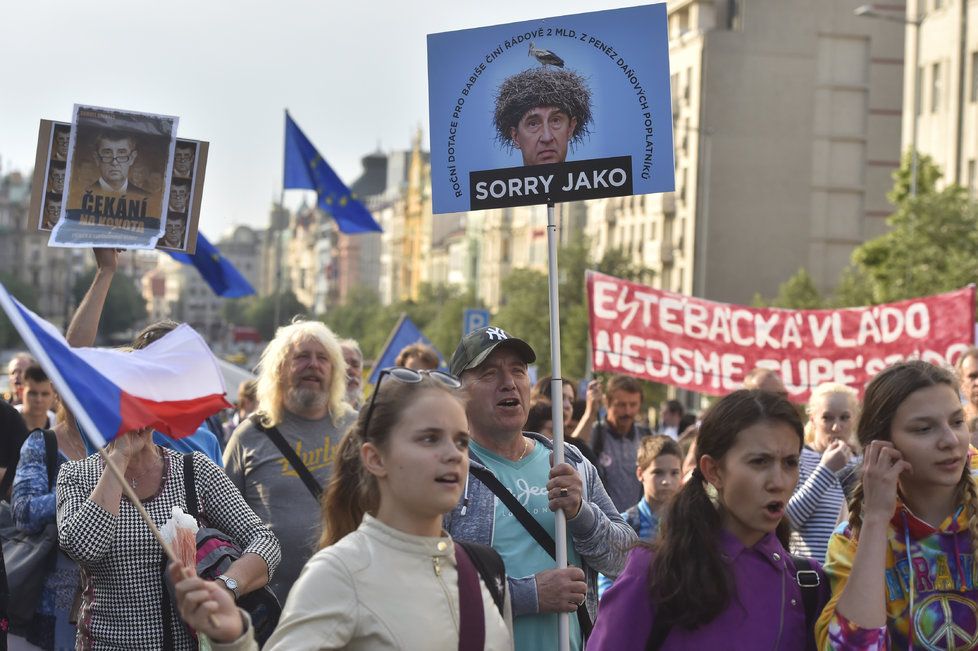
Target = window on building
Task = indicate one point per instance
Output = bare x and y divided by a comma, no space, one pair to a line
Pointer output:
974,76
935,87
938,4
918,91
735,19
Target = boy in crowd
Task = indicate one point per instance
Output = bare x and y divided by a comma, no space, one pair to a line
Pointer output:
659,468
39,399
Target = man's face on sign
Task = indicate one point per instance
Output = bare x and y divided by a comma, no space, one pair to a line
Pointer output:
52,211
179,193
61,137
173,235
56,180
543,135
183,161
114,158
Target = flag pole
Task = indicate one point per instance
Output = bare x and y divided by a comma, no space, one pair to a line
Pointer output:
557,411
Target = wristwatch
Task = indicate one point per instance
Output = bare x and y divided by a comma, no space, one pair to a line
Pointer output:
231,584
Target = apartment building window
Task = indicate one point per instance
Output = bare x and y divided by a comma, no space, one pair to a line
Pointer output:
974,76
935,87
735,19
918,100
689,82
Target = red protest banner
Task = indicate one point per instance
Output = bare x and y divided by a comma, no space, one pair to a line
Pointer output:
709,347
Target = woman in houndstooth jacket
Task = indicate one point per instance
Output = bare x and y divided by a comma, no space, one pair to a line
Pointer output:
122,579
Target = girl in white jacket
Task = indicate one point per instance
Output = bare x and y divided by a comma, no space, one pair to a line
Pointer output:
386,575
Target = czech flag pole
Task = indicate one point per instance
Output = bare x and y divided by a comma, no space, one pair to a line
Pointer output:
111,392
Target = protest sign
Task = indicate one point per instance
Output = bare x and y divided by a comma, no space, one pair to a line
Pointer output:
117,179
709,347
47,188
550,110
186,190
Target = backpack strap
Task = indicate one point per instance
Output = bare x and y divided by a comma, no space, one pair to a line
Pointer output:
808,581
190,485
300,468
51,456
534,528
491,568
658,635
471,613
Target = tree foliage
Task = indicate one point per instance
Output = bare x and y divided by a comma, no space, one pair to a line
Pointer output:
26,295
259,312
124,307
526,310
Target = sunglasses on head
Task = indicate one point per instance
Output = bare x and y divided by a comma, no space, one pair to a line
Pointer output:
408,376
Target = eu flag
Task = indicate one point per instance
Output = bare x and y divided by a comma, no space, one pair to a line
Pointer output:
405,333
217,270
306,169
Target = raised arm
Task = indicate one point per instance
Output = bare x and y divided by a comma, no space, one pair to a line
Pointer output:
84,324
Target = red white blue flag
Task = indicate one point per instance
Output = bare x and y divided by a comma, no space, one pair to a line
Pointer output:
172,385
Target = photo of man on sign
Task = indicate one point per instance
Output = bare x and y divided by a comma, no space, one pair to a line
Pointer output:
114,154
117,178
541,112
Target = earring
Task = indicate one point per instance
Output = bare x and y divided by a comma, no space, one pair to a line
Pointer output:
712,493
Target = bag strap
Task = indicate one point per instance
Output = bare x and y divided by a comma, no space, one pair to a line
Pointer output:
660,631
534,528
51,456
471,614
190,485
276,437
491,568
809,582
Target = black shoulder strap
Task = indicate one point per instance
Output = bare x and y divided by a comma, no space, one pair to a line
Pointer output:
276,437
490,566
532,527
809,581
51,456
190,486
660,631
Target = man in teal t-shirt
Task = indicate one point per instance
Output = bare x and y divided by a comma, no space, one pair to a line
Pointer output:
522,554
493,369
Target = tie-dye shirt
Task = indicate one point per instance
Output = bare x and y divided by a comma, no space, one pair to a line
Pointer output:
944,588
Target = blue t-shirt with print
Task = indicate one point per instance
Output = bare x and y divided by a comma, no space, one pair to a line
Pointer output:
527,480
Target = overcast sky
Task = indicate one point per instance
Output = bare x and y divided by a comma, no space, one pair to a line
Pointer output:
353,75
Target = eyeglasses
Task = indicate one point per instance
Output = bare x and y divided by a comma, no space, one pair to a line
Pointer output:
106,158
408,376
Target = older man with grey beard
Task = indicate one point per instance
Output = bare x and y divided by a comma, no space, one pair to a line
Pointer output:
281,457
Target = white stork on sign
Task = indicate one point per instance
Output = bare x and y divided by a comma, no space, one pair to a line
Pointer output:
545,57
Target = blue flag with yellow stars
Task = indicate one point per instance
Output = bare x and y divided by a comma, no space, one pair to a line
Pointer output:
306,169
217,270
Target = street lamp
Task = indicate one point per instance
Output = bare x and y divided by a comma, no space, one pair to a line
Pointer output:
873,11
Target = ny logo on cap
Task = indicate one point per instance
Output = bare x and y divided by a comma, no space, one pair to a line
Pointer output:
496,333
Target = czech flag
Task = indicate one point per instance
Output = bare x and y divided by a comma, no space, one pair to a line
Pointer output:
172,385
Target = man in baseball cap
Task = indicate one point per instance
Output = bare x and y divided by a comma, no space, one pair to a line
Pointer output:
492,366
476,346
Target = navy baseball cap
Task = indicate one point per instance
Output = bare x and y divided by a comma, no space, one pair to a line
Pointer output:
476,346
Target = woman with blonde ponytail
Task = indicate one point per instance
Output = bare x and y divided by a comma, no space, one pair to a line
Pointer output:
827,468
386,576
719,575
903,569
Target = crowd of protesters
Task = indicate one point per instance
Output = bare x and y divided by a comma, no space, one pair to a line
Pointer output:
422,516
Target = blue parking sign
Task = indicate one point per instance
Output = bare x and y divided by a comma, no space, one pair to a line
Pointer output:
473,320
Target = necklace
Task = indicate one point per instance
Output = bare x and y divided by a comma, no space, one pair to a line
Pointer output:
526,444
134,480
